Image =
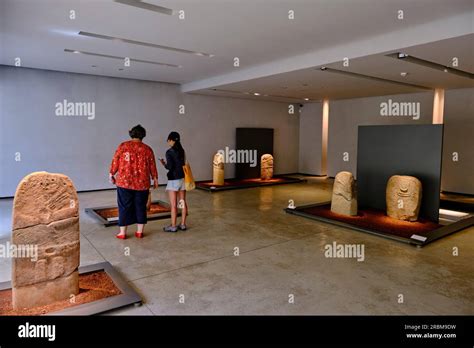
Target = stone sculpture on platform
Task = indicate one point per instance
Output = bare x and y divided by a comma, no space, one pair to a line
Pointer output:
45,219
403,197
218,169
344,194
266,167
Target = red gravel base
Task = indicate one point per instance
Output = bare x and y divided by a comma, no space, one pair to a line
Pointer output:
243,182
156,208
377,221
92,287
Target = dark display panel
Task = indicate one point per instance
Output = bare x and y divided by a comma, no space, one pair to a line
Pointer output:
259,139
414,150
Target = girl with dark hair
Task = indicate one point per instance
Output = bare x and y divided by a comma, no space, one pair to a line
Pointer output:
134,162
175,160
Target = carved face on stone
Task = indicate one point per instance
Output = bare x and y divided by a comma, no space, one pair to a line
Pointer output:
344,185
218,161
403,197
266,167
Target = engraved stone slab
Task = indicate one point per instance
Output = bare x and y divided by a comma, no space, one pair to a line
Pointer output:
218,169
344,194
266,167
45,217
403,197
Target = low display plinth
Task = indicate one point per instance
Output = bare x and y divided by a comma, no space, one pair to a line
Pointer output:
108,216
234,184
101,289
377,222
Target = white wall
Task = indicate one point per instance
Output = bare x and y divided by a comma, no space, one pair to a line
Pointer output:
458,176
310,142
346,115
82,148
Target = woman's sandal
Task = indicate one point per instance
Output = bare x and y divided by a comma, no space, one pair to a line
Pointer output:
121,236
139,234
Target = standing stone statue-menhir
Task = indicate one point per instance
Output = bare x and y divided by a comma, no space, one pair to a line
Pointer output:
403,197
344,194
266,167
46,216
218,169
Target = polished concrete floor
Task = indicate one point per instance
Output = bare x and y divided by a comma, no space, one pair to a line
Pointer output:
281,257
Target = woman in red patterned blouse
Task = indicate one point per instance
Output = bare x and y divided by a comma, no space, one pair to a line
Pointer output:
135,164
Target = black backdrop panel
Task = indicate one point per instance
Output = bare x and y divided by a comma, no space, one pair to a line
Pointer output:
260,139
414,150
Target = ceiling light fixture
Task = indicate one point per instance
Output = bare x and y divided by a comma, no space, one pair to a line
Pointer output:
306,99
257,94
428,64
404,74
121,58
146,44
373,78
146,6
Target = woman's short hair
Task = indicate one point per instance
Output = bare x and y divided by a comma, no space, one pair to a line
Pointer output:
137,132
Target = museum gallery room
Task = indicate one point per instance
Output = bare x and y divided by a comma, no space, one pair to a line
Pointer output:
307,157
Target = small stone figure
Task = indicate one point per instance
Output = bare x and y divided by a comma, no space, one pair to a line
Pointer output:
45,219
344,194
266,167
218,169
403,197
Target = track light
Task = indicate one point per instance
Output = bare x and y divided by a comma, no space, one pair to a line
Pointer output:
432,65
373,78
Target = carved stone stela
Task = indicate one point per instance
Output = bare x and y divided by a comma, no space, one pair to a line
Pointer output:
46,216
266,167
403,197
344,194
218,169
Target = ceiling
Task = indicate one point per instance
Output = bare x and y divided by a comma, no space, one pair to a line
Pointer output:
274,51
314,84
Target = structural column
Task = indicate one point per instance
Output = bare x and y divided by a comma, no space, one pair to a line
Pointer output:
325,134
438,106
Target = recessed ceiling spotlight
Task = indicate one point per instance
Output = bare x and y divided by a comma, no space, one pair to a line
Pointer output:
256,93
402,55
323,68
146,6
141,43
404,74
306,99
121,58
445,70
